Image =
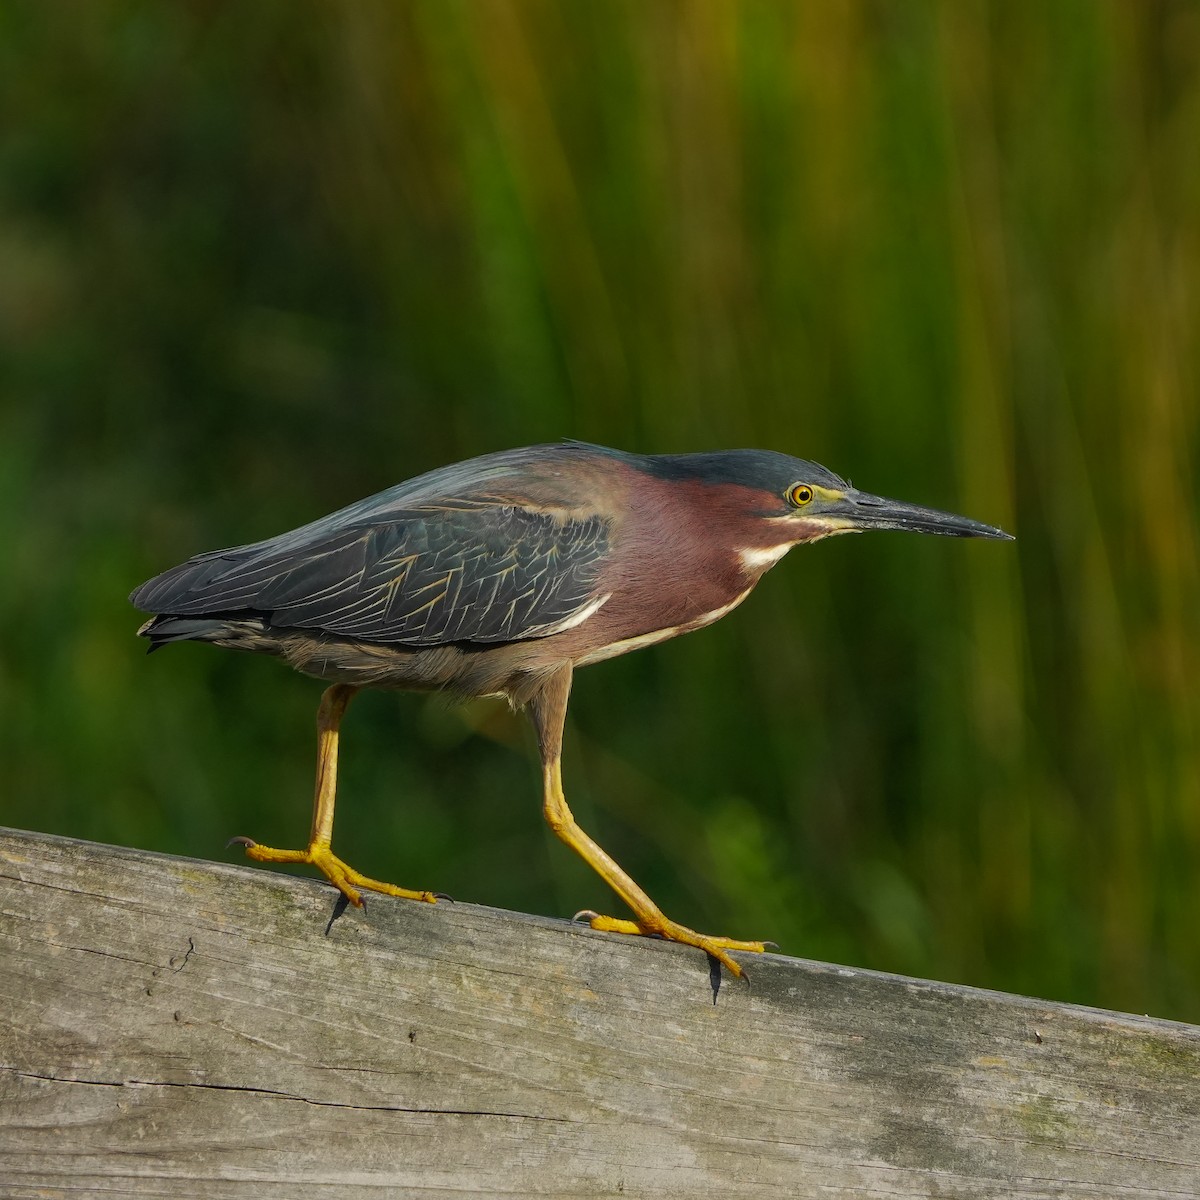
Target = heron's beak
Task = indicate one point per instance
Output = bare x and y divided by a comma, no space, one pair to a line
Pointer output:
863,511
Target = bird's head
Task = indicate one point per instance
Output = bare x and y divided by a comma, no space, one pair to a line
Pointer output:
781,501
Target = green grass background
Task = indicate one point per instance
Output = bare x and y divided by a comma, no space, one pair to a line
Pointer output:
263,258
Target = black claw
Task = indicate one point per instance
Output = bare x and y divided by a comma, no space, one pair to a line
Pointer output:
443,896
585,914
240,841
771,945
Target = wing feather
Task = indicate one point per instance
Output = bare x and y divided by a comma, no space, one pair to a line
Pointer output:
434,574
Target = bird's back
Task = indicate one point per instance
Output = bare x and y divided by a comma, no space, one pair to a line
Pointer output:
497,548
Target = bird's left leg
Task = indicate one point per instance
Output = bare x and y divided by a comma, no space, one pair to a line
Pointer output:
318,852
548,710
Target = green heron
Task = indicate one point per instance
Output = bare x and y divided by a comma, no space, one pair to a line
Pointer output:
500,576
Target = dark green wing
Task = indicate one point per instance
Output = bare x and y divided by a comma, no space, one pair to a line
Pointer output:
461,571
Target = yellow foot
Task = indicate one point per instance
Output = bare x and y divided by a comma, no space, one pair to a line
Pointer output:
344,878
674,932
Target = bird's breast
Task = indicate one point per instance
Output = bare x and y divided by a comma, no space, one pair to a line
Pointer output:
673,566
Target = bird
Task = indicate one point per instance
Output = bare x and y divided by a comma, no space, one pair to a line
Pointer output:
503,575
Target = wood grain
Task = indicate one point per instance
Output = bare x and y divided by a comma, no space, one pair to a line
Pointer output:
183,1028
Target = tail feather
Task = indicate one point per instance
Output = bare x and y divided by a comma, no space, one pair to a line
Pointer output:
165,629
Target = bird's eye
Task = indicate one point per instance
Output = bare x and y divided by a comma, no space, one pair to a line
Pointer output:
800,495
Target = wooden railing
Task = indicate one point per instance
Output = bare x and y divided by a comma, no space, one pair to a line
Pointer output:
179,1028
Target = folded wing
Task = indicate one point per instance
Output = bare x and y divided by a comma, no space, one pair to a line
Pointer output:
459,571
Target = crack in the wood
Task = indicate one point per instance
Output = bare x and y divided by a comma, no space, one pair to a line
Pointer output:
190,950
258,1091
60,1079
101,953
59,887
140,961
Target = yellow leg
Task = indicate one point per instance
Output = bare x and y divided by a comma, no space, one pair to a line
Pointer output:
548,711
650,918
318,853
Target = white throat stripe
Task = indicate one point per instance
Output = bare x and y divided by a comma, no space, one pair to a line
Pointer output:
756,559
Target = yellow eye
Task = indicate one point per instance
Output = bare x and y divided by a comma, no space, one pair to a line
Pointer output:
800,495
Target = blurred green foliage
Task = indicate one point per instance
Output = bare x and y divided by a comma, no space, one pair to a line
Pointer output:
261,259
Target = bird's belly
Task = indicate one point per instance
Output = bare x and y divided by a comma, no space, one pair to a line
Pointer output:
638,641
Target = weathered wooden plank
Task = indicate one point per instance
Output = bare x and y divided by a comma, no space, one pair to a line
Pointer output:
197,1029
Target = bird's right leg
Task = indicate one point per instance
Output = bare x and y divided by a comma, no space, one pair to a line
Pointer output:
548,710
318,853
